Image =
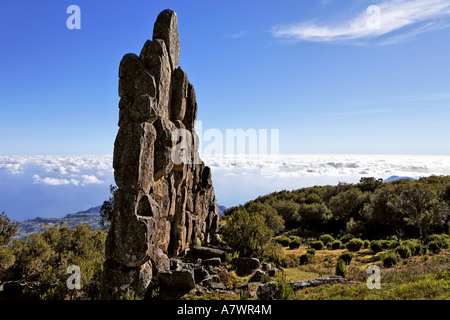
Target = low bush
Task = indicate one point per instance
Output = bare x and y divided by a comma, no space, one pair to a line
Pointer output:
284,288
294,244
306,258
346,257
284,241
403,251
389,259
415,247
376,246
326,239
336,245
274,254
318,245
366,244
341,268
434,246
311,251
437,242
389,244
346,238
289,261
355,244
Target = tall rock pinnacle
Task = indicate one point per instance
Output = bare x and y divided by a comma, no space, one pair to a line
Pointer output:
160,206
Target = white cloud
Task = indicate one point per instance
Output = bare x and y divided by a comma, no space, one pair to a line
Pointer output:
91,179
50,181
60,170
296,166
236,178
409,17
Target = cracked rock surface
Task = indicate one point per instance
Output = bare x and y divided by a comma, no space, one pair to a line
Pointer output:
160,206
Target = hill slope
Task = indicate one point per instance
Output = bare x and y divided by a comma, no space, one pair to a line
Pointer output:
90,216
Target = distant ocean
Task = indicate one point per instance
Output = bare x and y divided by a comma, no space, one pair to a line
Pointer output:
53,186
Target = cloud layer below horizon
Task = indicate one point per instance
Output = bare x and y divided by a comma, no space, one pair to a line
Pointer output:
52,186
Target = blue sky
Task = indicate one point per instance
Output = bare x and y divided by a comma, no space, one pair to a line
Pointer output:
308,68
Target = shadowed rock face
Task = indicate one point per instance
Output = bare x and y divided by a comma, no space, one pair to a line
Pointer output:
160,206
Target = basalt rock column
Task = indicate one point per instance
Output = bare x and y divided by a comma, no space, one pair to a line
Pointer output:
160,206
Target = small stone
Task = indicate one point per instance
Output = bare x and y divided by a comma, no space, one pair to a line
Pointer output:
256,277
212,262
245,265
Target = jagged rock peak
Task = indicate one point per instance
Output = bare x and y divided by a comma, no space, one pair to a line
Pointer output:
166,28
161,207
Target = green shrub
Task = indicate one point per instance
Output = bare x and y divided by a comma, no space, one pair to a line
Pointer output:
403,251
341,268
346,257
244,295
274,254
318,245
289,261
366,244
389,244
265,278
311,251
376,246
415,247
292,238
434,246
355,244
437,242
394,244
336,245
246,232
306,258
284,241
326,239
284,288
422,250
295,244
389,259
434,237
346,238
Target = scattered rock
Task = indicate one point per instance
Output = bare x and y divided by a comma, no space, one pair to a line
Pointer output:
174,284
268,291
317,282
272,272
198,252
160,261
245,265
217,286
266,266
200,274
212,262
210,280
175,264
256,277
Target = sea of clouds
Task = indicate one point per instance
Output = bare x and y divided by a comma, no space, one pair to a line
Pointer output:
52,186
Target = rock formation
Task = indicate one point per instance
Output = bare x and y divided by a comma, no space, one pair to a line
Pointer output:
161,206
